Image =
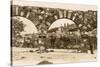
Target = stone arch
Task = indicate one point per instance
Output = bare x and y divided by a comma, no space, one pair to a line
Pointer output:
29,25
61,22
43,17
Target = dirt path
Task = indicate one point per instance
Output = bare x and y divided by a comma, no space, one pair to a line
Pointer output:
22,56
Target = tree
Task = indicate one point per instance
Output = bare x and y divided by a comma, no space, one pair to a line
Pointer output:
17,27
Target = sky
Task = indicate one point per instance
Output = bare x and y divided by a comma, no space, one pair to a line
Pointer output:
29,26
55,5
61,22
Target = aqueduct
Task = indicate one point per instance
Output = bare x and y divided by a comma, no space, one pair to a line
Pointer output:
44,17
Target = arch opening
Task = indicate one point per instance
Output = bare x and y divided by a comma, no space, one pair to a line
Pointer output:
29,28
64,22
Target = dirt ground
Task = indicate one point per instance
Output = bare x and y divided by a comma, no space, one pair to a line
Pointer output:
23,56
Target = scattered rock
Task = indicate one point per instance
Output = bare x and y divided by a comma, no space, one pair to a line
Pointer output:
31,51
41,57
49,57
22,57
44,62
51,50
36,50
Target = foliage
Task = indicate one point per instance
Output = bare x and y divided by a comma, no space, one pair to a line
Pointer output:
17,27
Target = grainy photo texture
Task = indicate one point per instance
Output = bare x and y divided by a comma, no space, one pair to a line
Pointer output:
52,33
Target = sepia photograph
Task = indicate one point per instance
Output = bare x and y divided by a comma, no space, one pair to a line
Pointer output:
52,33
